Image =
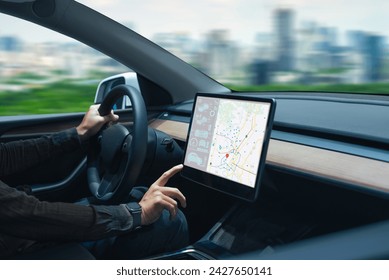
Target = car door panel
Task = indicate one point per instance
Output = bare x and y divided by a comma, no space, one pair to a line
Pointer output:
57,174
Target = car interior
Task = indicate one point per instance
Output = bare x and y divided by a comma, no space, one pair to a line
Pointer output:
323,189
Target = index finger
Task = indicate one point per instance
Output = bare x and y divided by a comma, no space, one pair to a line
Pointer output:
161,181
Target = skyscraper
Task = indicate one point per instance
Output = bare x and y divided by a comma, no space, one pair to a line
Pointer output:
373,57
221,54
370,47
284,39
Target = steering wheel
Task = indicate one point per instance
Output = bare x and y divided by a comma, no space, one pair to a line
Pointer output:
116,155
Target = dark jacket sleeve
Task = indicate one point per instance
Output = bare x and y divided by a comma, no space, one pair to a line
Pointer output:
24,216
17,156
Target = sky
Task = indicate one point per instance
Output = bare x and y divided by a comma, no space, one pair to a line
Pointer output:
244,18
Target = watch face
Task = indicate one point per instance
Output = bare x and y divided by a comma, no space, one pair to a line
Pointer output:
134,207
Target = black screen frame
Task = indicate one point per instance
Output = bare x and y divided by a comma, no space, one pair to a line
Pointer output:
221,184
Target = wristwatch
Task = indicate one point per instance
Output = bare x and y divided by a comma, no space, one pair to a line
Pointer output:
136,211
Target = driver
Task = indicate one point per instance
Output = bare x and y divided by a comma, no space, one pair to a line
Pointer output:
108,231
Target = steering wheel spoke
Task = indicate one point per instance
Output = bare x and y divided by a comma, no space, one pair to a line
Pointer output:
107,185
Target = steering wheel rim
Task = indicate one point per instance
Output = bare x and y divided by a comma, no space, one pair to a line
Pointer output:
119,149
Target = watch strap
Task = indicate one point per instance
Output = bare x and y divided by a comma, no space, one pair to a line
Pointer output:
136,212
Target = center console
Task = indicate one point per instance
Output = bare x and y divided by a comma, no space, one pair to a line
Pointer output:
246,228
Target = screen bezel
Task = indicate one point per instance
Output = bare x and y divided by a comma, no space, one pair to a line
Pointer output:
221,184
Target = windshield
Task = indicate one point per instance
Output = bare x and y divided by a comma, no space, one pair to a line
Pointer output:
254,45
314,45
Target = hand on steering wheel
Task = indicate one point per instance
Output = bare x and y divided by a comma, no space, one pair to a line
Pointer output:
93,122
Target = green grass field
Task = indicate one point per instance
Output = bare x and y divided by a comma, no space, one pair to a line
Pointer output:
67,96
53,98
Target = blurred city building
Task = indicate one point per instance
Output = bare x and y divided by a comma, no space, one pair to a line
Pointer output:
284,39
305,53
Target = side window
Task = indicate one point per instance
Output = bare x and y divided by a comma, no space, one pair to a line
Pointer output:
42,72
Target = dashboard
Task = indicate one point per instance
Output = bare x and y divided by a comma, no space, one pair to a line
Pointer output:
335,139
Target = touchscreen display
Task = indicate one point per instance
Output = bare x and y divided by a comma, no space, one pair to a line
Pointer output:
227,139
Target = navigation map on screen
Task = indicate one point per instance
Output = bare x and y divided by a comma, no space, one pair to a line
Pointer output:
226,138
